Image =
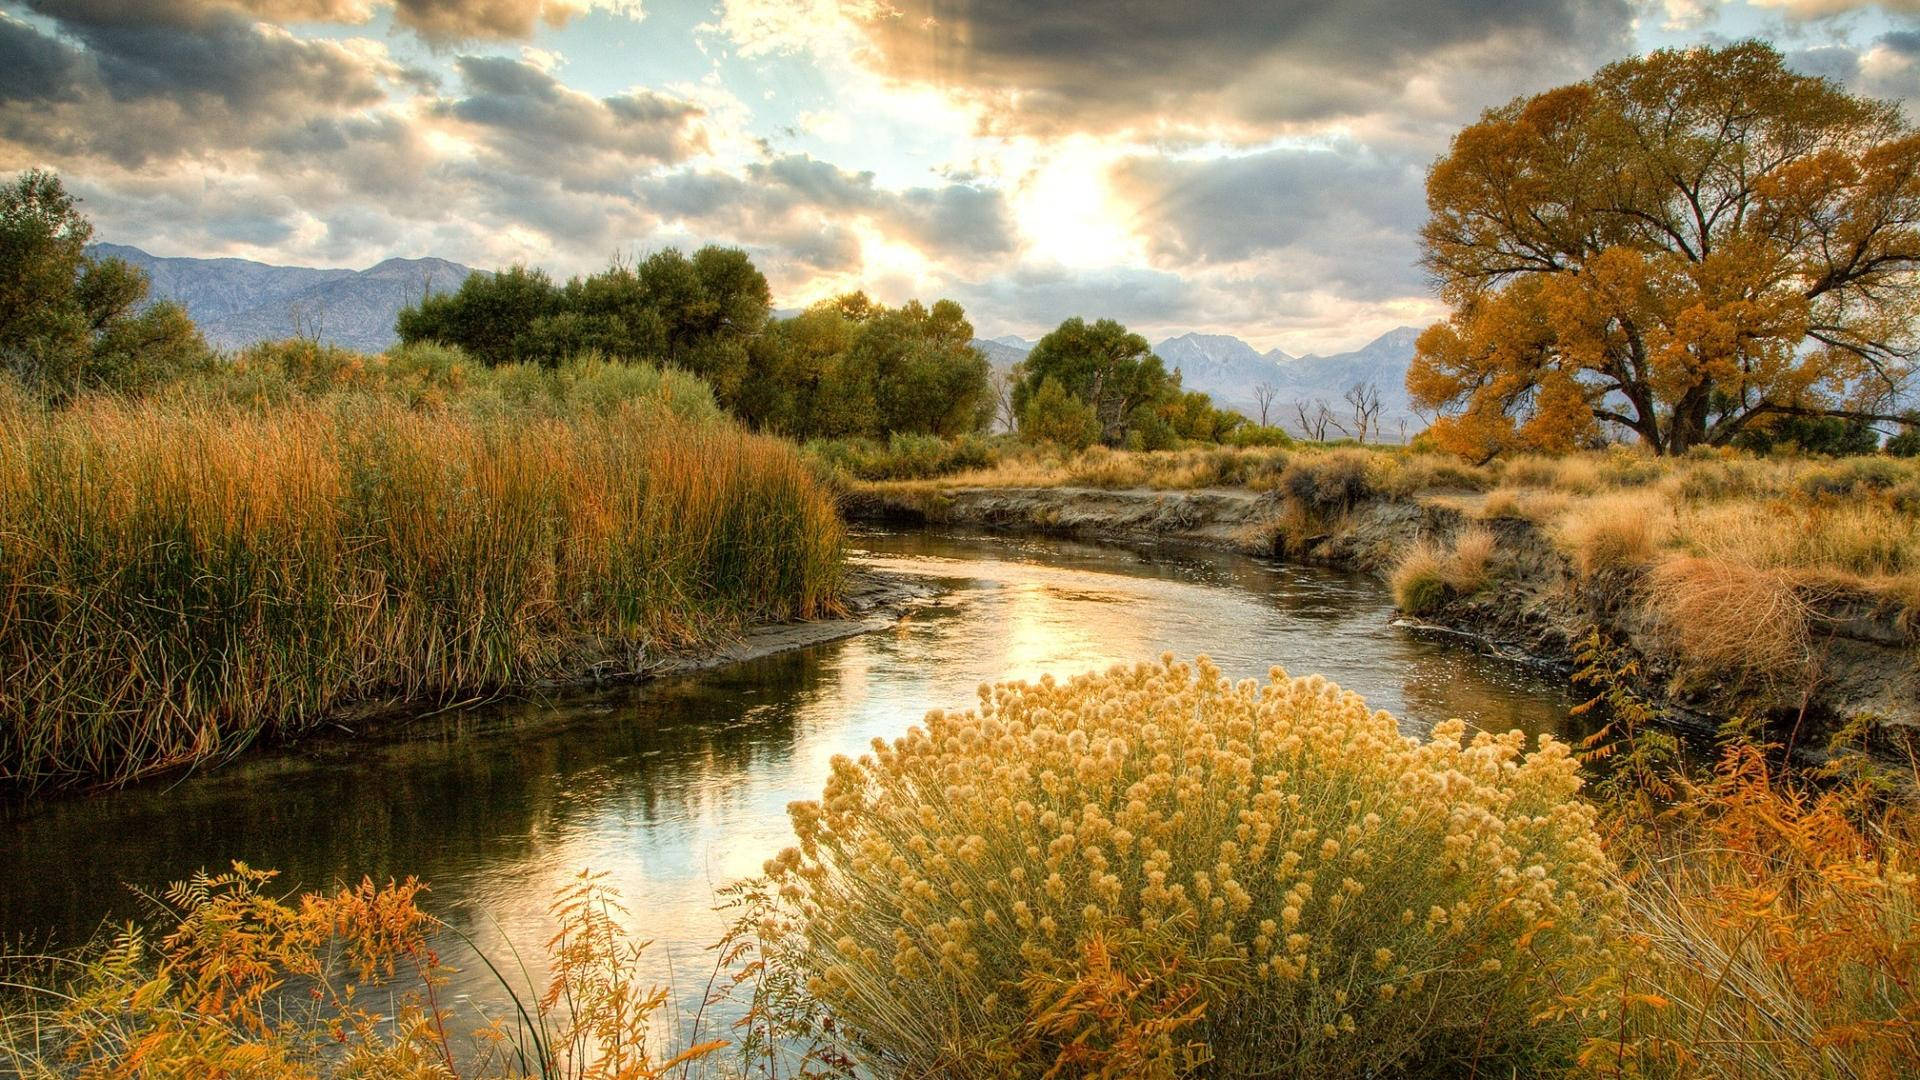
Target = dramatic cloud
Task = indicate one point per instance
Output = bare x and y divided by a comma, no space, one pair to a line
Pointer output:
530,122
1336,218
1246,166
134,93
1057,65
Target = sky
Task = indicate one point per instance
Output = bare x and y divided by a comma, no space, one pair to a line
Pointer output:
1250,167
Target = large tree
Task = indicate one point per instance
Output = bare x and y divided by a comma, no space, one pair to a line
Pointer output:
1103,364
1689,244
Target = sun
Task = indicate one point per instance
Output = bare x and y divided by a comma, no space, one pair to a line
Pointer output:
1067,212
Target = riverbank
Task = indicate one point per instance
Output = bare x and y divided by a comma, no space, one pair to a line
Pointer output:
190,574
1531,569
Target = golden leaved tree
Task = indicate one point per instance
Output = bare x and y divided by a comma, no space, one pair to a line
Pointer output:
1688,244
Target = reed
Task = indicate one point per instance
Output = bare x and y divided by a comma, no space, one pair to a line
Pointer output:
186,576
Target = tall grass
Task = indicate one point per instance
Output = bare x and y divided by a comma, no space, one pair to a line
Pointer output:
185,576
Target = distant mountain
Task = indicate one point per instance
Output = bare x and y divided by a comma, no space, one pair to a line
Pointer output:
237,302
1003,352
1222,365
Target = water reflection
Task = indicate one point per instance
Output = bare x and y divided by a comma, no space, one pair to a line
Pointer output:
677,787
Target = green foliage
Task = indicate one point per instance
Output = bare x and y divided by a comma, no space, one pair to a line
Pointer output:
697,314
1052,415
1249,434
1906,443
903,457
496,318
71,323
850,368
1829,435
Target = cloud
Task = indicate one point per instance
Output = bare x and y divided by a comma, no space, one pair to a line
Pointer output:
135,93
529,121
453,21
1820,9
793,195
1057,65
1342,215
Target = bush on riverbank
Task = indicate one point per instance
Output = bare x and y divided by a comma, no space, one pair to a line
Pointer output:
1143,870
188,575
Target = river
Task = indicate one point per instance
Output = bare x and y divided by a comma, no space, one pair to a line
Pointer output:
676,787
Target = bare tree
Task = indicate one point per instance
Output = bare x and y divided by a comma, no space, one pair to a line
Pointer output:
308,319
1263,396
1004,418
1364,399
1314,417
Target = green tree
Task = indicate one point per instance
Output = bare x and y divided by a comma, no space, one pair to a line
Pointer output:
1103,364
1906,442
848,367
927,377
70,322
1688,244
501,318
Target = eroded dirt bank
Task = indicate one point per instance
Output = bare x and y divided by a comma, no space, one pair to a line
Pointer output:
1536,606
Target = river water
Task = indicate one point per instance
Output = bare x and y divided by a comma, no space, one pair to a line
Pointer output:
676,787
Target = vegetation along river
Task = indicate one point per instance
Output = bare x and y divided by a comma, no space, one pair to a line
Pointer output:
676,787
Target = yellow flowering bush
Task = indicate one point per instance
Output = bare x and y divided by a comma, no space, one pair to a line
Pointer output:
1158,872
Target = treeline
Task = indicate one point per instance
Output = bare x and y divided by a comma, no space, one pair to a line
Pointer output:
845,368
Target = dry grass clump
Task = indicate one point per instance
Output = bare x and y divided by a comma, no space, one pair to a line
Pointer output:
1128,873
1427,576
1525,505
1728,617
1616,532
186,577
216,995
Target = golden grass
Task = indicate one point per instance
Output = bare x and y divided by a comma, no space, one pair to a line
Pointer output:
1772,930
1427,576
187,576
1614,532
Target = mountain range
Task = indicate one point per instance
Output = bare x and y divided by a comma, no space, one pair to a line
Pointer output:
237,302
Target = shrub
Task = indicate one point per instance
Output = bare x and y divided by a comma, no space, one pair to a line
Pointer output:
1332,483
1425,578
1906,442
1112,874
1853,476
1776,931
1259,435
207,996
1055,416
1731,618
